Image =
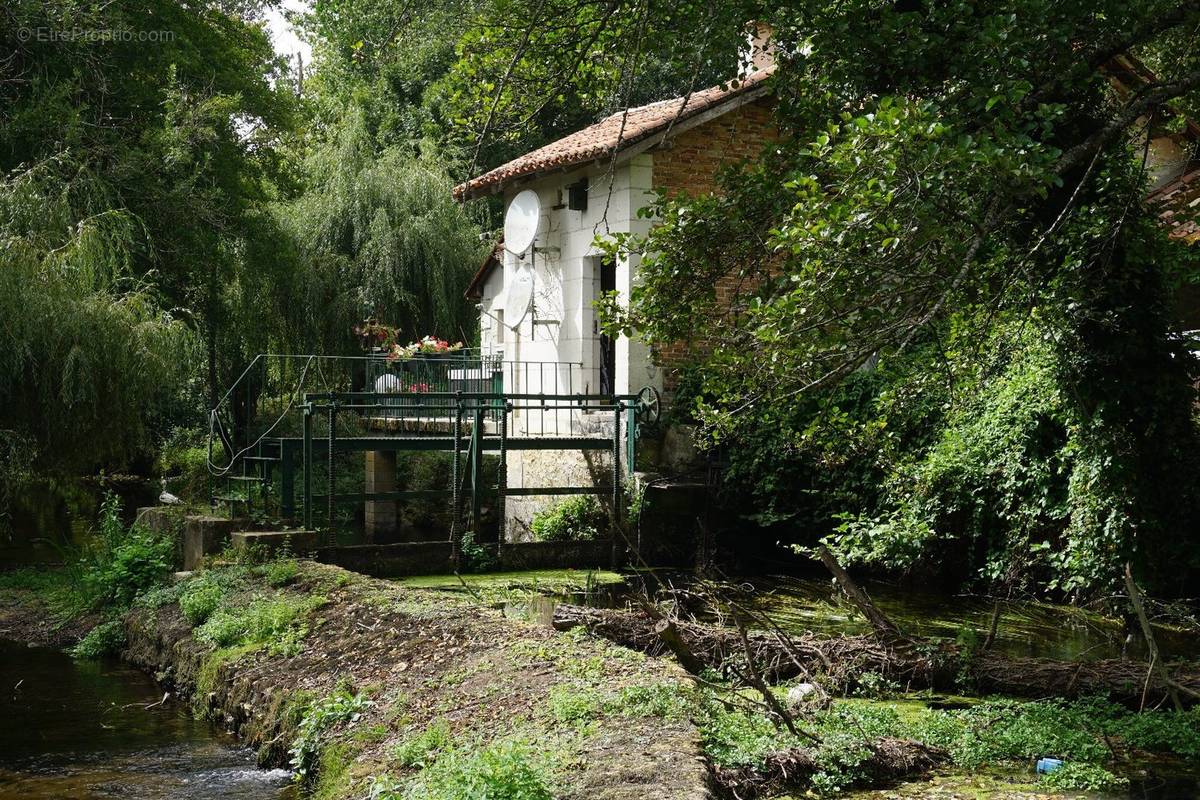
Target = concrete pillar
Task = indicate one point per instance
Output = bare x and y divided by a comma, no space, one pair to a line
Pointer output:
380,515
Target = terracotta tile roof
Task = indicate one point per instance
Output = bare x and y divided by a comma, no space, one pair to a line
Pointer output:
601,139
1180,200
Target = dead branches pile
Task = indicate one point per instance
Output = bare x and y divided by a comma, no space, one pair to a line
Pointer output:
839,661
889,760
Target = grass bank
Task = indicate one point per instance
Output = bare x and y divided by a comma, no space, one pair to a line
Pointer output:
371,689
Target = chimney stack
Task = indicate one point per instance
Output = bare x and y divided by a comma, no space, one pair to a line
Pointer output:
759,53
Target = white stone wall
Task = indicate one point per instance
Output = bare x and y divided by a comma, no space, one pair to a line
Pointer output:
561,327
567,279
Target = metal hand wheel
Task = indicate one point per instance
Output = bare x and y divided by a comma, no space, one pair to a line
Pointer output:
649,405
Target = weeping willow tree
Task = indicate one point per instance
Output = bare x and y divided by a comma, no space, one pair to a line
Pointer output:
87,357
376,233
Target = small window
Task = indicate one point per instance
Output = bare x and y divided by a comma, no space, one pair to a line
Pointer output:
500,326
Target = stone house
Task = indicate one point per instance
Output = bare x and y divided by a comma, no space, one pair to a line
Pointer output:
593,183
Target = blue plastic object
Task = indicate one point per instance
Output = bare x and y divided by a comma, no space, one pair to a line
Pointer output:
1047,765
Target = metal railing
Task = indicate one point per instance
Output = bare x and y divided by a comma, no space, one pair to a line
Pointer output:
287,416
467,435
265,399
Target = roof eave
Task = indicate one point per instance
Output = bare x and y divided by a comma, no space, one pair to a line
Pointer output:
628,149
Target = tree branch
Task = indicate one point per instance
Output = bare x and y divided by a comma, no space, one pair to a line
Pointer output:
1151,98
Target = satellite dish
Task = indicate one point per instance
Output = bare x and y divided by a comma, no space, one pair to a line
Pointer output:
521,222
518,294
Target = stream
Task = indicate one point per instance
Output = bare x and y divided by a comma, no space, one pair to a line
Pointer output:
87,730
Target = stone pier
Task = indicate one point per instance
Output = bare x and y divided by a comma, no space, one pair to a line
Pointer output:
380,517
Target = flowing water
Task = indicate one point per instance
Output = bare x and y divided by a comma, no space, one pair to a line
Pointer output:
87,730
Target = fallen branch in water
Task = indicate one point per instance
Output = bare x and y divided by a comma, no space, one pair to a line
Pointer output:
913,664
884,628
1156,665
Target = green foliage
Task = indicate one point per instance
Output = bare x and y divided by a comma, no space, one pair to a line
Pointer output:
476,557
1175,732
572,704
183,455
279,623
319,718
839,758
992,490
579,518
734,738
508,95
1078,777
1088,734
1039,312
116,564
105,639
421,750
282,572
199,599
504,770
1000,730
130,180
377,233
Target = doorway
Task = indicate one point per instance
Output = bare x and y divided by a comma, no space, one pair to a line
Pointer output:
608,345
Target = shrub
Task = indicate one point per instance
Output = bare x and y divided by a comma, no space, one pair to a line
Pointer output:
577,519
199,600
282,572
317,720
103,640
119,563
1167,731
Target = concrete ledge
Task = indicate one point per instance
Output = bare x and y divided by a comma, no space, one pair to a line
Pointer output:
195,535
433,558
271,542
205,536
165,521
391,560
556,555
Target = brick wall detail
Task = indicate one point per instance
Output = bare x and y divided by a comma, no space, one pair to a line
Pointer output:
689,164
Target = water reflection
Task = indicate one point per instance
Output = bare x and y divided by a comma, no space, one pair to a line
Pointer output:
47,515
1026,628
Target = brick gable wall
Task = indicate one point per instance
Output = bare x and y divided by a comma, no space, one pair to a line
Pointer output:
689,165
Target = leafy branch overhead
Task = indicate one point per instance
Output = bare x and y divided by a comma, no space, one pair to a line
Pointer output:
958,186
